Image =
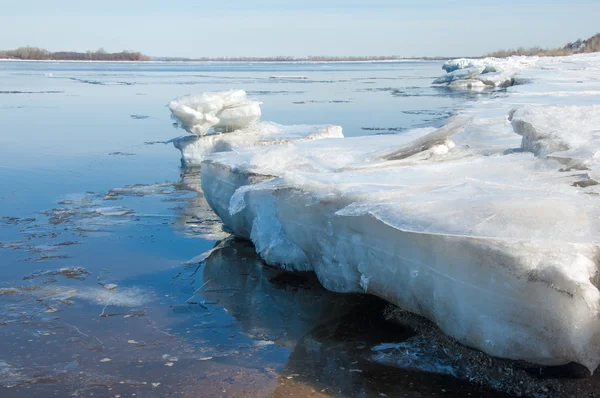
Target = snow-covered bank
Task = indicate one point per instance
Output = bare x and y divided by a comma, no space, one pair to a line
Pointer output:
488,227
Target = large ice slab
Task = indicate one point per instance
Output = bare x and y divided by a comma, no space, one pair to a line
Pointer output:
500,262
496,244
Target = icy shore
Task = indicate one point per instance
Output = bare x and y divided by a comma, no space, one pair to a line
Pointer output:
488,226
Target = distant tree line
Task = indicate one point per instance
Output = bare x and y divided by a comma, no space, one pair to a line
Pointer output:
590,45
34,53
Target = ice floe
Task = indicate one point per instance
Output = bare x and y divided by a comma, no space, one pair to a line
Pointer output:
480,226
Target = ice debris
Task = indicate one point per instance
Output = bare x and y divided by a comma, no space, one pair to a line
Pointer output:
498,246
110,286
68,272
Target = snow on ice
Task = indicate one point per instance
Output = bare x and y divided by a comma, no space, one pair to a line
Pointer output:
488,226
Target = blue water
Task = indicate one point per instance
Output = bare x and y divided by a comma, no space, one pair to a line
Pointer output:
227,326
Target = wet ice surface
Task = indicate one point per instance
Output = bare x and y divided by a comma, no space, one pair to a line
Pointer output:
116,277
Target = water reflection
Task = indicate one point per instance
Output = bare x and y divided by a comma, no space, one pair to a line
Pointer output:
195,219
331,336
271,305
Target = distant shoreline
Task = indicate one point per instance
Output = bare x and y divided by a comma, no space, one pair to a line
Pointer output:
390,58
589,45
296,61
40,54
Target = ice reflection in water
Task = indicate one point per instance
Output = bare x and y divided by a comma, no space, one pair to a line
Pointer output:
271,306
194,216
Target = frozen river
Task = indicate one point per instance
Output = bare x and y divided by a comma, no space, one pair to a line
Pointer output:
102,291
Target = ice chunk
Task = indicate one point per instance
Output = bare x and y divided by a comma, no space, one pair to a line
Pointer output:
459,74
462,63
498,79
223,111
568,133
438,142
195,149
483,73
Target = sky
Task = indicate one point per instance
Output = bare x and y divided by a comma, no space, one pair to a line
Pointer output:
192,28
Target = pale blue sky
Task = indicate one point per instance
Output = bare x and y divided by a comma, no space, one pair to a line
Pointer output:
194,28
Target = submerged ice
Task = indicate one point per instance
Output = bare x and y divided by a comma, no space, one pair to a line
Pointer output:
488,226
